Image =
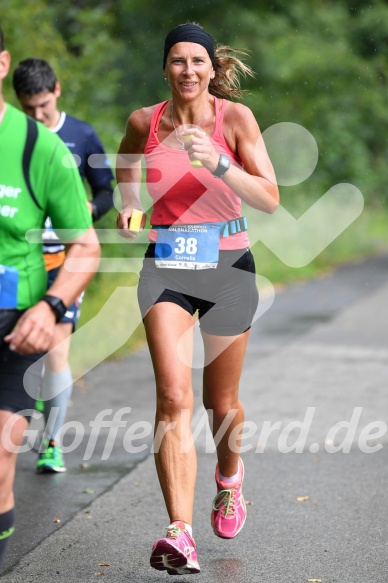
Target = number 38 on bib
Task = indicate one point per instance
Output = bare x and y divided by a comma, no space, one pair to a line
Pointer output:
188,246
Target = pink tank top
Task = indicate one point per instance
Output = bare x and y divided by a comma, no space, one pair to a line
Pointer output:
186,195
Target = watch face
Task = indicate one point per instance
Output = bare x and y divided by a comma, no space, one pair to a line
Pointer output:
223,165
224,161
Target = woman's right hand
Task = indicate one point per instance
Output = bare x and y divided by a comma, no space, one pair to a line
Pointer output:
123,223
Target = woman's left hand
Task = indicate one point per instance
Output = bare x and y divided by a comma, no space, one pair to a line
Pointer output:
199,147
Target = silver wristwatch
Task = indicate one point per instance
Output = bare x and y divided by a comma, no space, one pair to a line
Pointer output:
223,166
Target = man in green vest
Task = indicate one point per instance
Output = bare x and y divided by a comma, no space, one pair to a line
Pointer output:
28,310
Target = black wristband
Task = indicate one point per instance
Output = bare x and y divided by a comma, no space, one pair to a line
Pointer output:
102,200
94,211
57,306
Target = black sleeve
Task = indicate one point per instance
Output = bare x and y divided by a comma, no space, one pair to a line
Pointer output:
102,200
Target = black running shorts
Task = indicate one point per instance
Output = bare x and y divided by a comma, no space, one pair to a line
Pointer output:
226,297
20,374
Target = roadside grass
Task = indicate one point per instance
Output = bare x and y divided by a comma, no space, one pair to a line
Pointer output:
366,236
110,317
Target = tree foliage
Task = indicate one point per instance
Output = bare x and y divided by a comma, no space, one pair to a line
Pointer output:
322,65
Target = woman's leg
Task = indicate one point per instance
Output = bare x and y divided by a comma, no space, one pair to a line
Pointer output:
221,380
221,387
175,455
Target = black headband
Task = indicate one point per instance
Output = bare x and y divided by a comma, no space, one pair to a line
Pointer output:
191,33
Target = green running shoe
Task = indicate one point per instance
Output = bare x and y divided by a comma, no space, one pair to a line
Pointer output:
50,460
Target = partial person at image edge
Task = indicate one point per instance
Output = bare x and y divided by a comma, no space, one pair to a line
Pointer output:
28,310
38,91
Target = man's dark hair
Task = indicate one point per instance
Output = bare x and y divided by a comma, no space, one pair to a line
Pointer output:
33,76
1,40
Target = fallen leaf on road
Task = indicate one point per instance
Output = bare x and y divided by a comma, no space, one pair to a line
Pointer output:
56,519
88,491
314,580
302,498
249,502
104,564
136,483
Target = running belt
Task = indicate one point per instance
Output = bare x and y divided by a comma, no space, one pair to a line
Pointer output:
228,227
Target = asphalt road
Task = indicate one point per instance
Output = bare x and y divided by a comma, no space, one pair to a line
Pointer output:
314,389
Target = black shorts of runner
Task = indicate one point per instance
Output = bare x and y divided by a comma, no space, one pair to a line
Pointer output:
226,298
20,374
74,310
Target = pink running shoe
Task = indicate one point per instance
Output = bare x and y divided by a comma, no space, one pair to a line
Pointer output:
176,553
229,511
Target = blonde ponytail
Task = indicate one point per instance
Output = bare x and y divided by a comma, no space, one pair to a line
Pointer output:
229,69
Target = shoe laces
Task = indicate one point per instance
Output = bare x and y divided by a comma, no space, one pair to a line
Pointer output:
225,498
51,450
173,531
48,454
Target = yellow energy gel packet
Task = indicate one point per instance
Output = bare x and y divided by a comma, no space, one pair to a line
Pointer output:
194,163
135,221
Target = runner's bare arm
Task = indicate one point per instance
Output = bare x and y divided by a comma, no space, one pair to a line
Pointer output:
34,330
129,168
256,183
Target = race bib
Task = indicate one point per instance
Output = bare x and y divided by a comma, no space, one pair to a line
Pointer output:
9,277
188,247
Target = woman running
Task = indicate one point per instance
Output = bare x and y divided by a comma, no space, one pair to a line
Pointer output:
204,155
